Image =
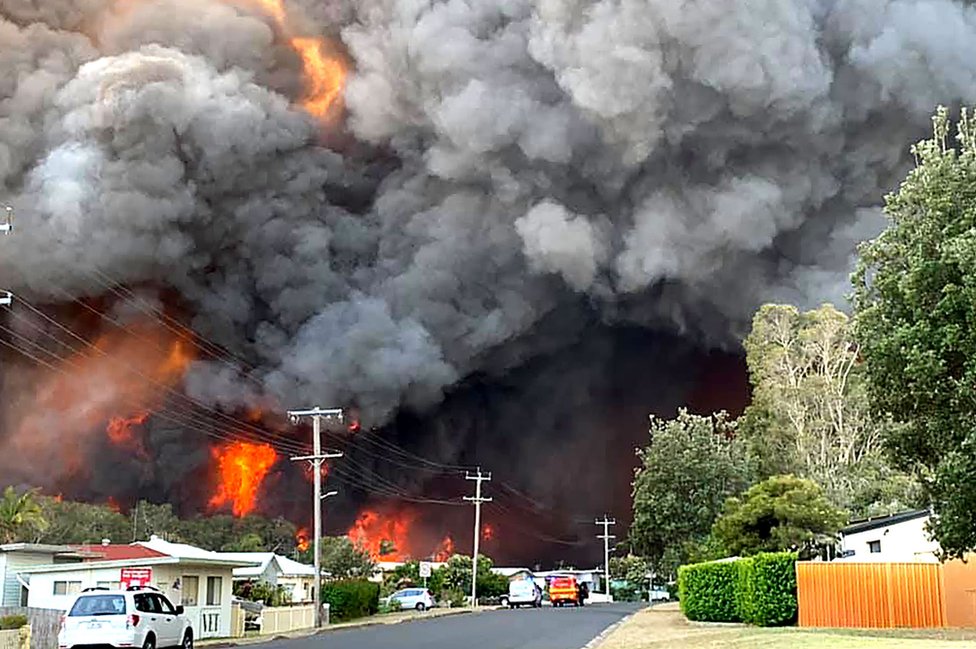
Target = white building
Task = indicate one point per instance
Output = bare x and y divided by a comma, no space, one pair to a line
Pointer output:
16,557
296,578
899,538
197,579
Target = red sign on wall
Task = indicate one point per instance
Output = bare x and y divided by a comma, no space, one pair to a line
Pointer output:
135,577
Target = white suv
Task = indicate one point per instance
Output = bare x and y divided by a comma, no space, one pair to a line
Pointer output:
124,618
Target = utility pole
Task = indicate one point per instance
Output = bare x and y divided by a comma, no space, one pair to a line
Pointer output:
479,477
606,536
6,227
316,459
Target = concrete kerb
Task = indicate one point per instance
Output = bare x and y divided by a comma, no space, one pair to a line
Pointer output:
597,641
342,626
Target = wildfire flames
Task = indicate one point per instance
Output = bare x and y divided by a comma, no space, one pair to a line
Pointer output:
120,372
445,550
488,533
382,536
301,540
241,468
391,536
325,73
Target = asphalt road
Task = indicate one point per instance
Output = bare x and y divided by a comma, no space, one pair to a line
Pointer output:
545,628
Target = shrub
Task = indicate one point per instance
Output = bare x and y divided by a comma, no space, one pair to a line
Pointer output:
11,622
745,596
759,590
453,598
707,591
349,599
770,596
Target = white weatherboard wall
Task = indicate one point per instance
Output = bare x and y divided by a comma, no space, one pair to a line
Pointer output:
905,541
208,621
10,564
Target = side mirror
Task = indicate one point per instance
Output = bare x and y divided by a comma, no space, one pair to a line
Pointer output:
179,610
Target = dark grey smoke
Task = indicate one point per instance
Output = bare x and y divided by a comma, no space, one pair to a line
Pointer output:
659,164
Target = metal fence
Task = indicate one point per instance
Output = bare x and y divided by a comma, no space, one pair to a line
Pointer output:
871,595
45,624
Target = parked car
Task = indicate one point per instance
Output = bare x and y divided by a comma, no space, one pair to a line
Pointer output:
124,618
524,592
412,598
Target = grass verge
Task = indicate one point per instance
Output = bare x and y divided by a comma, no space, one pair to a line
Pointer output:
665,627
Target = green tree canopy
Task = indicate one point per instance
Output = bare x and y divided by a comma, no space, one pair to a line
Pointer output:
810,414
343,559
457,576
20,515
915,313
781,513
690,467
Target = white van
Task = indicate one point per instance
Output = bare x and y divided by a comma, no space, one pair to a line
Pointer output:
524,592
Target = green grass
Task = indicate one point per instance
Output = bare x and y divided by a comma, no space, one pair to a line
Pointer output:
666,628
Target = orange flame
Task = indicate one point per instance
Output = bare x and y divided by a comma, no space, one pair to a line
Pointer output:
242,467
119,372
113,505
301,540
372,532
445,550
325,73
488,533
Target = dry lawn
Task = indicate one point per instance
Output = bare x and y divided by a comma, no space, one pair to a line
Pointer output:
665,627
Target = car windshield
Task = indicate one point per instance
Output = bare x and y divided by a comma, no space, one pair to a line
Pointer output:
98,605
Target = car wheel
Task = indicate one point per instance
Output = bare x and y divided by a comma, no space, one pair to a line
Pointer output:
188,640
150,643
420,607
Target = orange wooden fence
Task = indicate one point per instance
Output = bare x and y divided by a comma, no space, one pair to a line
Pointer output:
871,595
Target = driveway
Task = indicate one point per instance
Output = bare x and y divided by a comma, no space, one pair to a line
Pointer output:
545,628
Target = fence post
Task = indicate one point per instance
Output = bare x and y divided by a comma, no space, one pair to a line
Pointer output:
25,637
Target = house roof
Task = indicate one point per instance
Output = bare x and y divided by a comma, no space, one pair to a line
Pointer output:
291,568
117,552
36,548
868,524
192,554
509,572
154,552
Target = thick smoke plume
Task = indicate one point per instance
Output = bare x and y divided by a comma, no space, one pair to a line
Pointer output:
511,182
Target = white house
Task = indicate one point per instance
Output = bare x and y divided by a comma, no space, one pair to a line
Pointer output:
16,557
198,579
899,538
296,578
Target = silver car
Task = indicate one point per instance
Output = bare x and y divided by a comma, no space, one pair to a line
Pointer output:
412,598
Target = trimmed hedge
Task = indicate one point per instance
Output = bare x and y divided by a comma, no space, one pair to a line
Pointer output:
707,591
772,592
759,590
349,599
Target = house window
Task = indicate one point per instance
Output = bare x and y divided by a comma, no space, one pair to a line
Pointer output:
111,585
24,594
191,590
214,586
874,547
67,587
